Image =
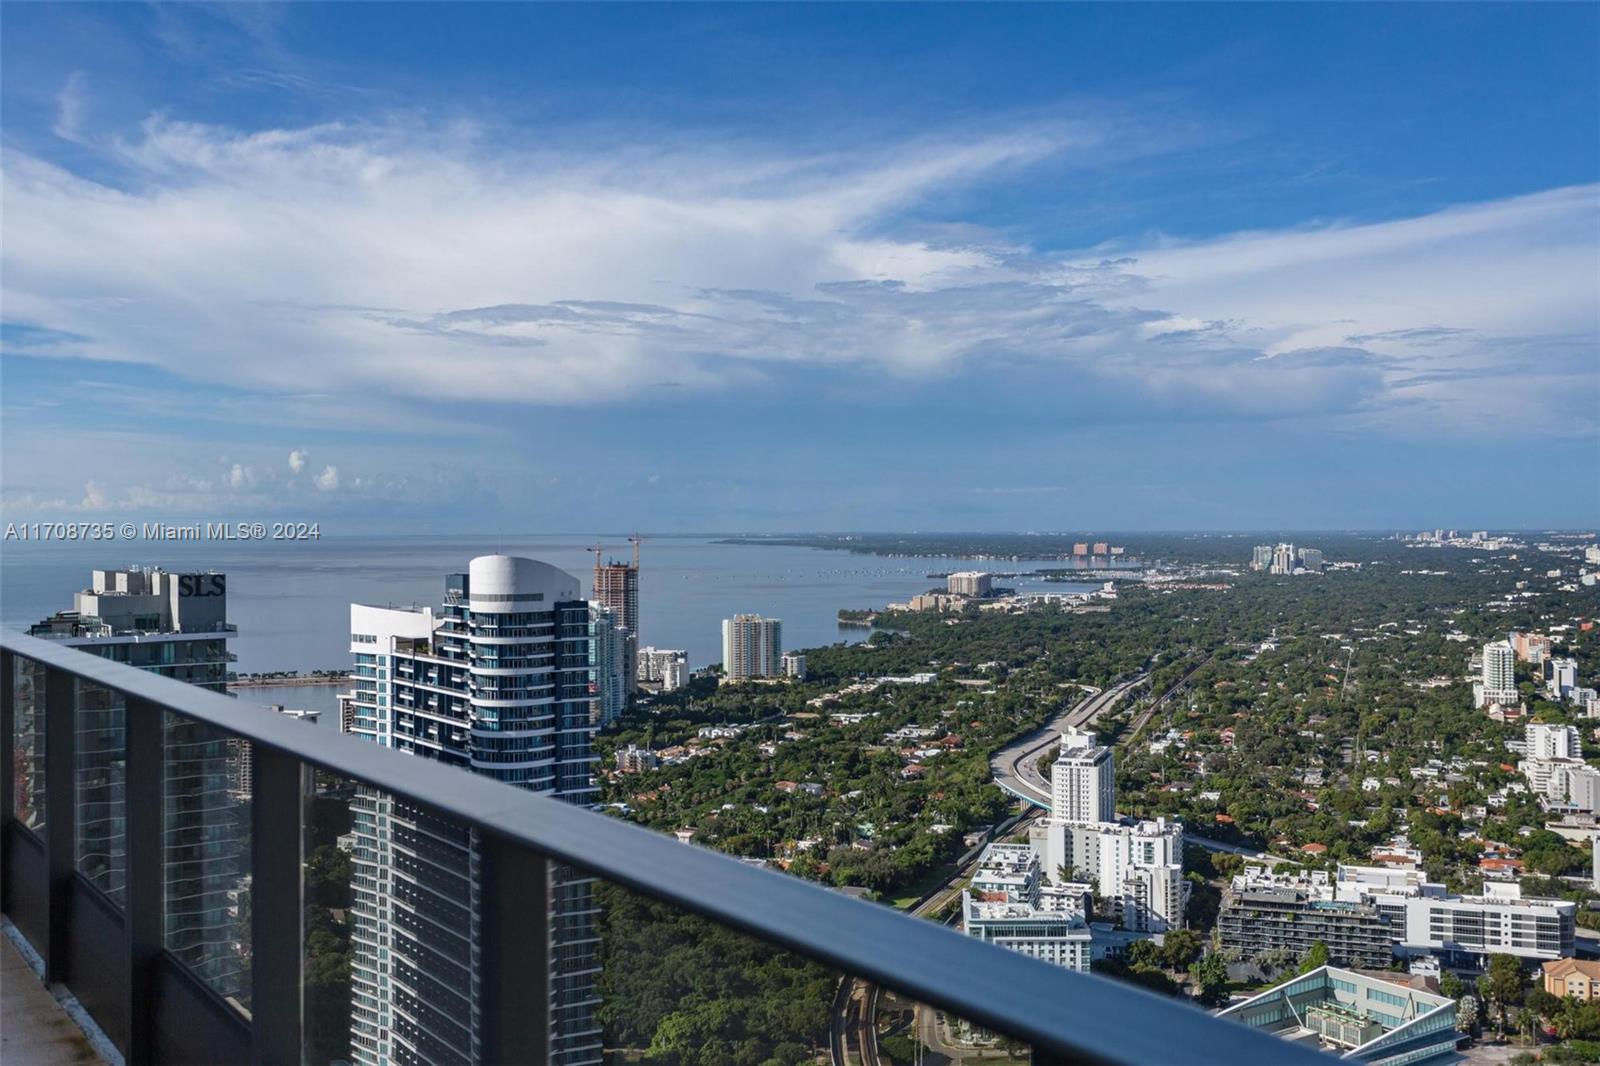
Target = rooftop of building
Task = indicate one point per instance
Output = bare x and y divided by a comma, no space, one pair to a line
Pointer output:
987,910
1321,989
1561,969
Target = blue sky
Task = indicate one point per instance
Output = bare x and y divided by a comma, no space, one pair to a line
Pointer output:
539,267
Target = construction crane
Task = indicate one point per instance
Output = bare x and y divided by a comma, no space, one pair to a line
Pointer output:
599,551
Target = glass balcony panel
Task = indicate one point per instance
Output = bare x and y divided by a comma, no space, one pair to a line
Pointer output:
331,885
206,824
100,851
675,987
393,964
28,739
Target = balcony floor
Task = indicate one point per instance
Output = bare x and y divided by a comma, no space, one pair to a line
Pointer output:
34,1030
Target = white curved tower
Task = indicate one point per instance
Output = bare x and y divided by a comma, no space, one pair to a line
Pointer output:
497,682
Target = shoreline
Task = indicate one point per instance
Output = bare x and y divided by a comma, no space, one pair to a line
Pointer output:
289,682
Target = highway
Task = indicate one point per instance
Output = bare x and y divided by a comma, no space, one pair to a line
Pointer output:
1015,769
1015,766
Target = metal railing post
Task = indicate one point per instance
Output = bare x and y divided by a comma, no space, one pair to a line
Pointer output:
277,934
514,903
8,769
61,812
146,753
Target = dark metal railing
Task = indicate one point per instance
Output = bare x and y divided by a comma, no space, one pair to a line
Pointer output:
154,1011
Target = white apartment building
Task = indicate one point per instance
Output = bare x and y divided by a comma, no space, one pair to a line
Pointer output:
667,667
1564,785
752,646
1059,937
1425,919
1544,740
1497,679
970,583
1580,789
794,665
636,760
1003,906
1136,868
1010,870
1083,780
1560,678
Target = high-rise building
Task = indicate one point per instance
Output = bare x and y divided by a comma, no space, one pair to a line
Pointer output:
970,583
752,646
1100,547
1549,740
1137,868
1311,559
1560,677
616,585
1284,558
244,773
1081,548
1497,680
175,625
497,682
667,667
1261,557
608,652
1532,648
794,665
1083,780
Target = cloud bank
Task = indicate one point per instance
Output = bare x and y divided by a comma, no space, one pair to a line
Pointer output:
425,264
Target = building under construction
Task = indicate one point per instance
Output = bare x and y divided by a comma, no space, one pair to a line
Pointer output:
616,585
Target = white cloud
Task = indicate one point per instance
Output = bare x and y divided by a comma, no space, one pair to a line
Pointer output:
297,460
328,480
240,476
387,265
71,105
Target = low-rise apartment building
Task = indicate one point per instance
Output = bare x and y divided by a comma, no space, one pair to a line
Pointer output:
1004,905
1258,919
1572,978
1414,916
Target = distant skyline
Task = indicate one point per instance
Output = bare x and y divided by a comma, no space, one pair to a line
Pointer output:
419,268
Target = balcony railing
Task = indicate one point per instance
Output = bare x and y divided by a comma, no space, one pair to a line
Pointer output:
101,934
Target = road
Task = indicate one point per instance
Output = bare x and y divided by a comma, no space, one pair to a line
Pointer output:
1015,766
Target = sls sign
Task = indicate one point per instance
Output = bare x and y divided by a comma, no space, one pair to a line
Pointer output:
197,585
